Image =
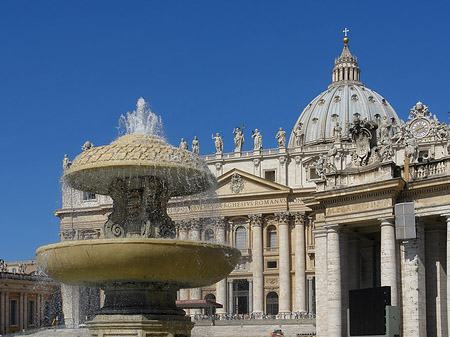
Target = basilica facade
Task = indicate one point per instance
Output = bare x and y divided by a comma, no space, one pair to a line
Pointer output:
321,214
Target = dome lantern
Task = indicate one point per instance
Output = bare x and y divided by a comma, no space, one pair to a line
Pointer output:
346,66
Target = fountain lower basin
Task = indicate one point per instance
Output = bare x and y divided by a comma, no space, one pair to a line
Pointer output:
99,263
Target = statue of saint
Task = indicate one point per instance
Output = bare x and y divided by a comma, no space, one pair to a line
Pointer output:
385,128
238,139
218,143
183,145
299,135
337,132
412,149
195,145
257,140
281,137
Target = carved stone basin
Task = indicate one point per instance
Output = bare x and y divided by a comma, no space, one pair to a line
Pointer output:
106,262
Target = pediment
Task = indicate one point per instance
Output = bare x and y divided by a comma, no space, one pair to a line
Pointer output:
240,183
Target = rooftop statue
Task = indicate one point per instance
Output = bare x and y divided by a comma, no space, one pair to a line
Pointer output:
218,143
281,137
238,138
195,145
299,135
257,140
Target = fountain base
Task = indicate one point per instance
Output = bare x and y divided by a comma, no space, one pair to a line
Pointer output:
140,325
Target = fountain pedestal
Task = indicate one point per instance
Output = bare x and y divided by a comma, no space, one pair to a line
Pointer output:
140,325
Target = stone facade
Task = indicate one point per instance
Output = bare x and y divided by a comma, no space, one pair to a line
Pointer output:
28,299
315,219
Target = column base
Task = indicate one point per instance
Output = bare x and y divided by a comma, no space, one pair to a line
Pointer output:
140,325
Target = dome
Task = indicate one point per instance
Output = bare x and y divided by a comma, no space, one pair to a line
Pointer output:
345,96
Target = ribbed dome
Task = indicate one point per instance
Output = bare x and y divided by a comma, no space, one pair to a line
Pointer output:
344,97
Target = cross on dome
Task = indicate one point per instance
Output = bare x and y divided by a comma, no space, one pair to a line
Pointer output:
345,31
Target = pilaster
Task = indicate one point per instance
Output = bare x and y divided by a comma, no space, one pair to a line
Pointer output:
413,285
300,263
435,246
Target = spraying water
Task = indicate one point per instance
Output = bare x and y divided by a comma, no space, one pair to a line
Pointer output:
141,121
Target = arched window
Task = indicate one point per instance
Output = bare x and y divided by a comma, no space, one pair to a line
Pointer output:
272,303
241,237
272,237
209,235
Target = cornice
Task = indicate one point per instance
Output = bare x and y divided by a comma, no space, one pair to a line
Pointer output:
391,187
79,210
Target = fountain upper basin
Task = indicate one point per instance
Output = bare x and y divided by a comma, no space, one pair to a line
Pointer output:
99,263
131,156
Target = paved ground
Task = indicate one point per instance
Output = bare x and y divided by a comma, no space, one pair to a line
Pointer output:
233,329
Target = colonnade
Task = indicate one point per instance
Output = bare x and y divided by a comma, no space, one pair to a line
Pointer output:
414,270
288,301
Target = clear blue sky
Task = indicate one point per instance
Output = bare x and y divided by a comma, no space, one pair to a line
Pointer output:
69,69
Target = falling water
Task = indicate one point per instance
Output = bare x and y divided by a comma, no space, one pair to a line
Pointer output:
141,121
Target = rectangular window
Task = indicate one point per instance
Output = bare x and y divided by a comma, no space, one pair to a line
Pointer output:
89,196
13,313
271,264
31,312
270,175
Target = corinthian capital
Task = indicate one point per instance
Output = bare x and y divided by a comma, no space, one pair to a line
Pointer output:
256,220
300,218
283,217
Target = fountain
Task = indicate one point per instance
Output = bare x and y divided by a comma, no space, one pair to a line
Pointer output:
139,264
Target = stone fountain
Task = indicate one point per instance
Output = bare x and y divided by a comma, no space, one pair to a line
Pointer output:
139,265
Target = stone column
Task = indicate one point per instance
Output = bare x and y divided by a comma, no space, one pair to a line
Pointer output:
300,263
250,295
194,235
71,305
221,286
230,296
334,281
310,295
388,255
413,285
343,247
256,222
38,310
436,282
284,264
320,237
448,271
2,313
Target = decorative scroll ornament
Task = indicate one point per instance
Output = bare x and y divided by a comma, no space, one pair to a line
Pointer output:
419,110
236,183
